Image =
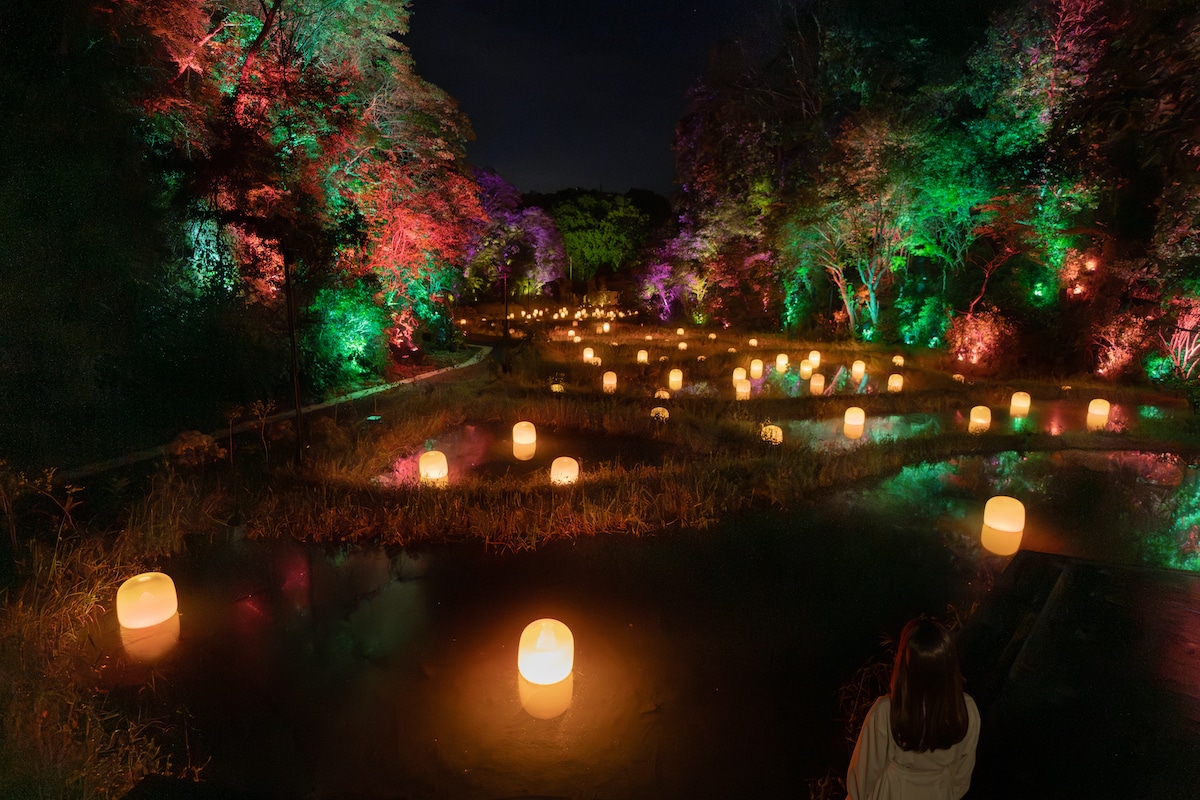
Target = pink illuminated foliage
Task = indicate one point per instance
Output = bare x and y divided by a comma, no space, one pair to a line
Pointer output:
1181,341
979,339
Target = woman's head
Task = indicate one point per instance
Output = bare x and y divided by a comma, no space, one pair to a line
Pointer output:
928,709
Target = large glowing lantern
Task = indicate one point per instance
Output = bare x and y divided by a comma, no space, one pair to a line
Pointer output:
739,374
816,384
588,355
146,600
756,368
546,652
564,471
858,369
781,362
772,434
643,357
742,389
1003,524
433,468
659,414
853,422
524,441
805,369
981,419
1018,406
610,382
895,382
675,380
1097,416
814,358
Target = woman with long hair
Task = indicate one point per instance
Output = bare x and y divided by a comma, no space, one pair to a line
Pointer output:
918,742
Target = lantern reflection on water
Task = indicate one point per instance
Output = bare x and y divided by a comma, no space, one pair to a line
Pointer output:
739,374
524,441
545,660
742,389
433,468
659,414
610,382
1003,525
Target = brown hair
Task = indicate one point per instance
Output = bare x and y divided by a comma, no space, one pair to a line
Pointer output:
928,709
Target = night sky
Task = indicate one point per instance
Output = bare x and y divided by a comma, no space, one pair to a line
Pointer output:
564,93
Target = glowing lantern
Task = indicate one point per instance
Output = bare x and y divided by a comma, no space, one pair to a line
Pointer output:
679,331
675,380
1003,524
981,419
433,468
643,357
742,389
610,382
898,361
557,388
772,434
588,355
1097,416
546,652
753,343
662,394
756,368
146,600
959,377
683,345
605,328
524,441
1018,406
731,350
858,369
659,414
805,369
781,362
739,374
578,340
712,337
564,471
895,382
814,358
816,384
153,642
596,361
853,422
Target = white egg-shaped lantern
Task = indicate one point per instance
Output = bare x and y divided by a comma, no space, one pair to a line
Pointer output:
605,328
739,374
752,343
772,434
524,441
781,362
571,333
675,380
712,337
854,422
858,369
643,357
1003,525
433,468
742,389
1018,405
579,340
679,332
659,414
756,368
546,652
610,382
564,471
981,419
1097,415
588,355
898,361
814,358
895,382
683,345
146,600
816,384
805,369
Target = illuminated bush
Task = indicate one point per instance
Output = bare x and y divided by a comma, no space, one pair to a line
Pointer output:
348,341
979,339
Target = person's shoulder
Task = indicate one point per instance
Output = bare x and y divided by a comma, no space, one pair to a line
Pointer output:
881,708
971,707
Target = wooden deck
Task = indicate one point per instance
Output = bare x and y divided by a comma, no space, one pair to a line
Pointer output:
1088,679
